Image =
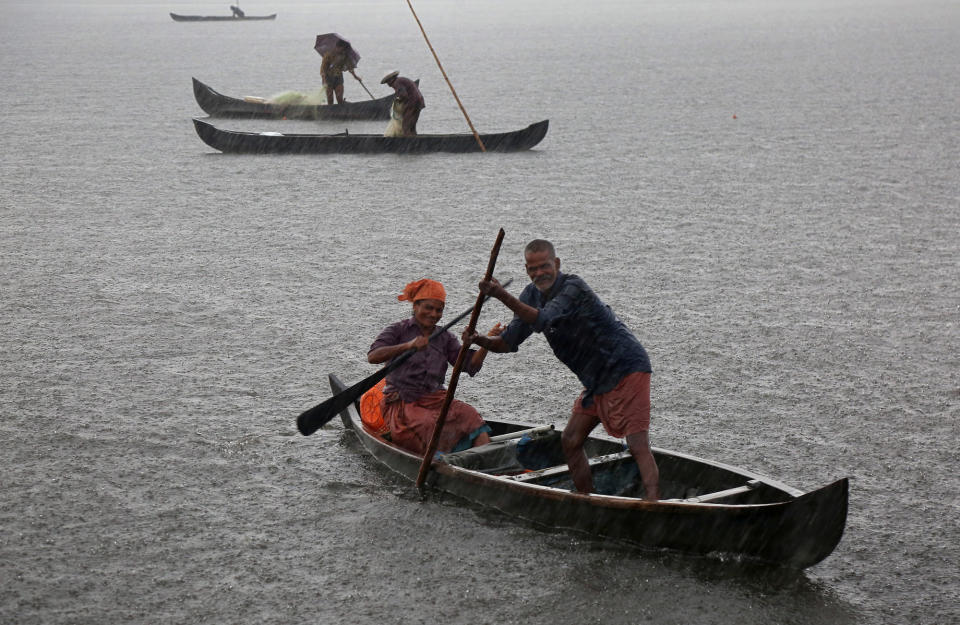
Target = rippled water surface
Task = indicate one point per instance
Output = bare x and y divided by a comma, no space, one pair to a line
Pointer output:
765,192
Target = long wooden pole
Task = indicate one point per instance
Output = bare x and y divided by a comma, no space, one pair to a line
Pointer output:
455,376
365,88
452,90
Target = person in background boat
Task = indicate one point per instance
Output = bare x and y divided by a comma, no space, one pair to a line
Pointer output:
414,392
587,336
332,65
408,102
237,12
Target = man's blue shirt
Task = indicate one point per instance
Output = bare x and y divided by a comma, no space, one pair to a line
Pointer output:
583,332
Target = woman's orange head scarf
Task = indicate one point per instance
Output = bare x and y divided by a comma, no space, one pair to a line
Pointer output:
423,289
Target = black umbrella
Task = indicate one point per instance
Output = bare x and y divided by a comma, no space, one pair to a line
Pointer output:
328,42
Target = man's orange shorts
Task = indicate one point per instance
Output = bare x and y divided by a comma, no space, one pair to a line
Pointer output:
625,409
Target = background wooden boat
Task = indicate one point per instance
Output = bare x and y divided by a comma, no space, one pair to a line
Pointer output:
709,508
345,143
216,104
220,18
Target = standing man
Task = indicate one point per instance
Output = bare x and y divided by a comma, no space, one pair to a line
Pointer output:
409,99
587,336
332,66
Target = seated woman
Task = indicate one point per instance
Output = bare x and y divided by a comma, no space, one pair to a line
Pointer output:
414,392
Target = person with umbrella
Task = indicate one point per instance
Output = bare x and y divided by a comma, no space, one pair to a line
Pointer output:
408,102
337,59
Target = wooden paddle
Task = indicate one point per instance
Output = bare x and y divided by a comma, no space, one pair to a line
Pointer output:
313,419
455,376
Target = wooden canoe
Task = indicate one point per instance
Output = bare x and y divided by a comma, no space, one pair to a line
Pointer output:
216,104
220,18
709,508
345,143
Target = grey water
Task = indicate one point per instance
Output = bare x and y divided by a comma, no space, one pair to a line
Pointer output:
765,192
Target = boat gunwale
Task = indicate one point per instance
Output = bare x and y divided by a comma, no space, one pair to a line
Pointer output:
220,105
180,17
262,143
607,501
348,135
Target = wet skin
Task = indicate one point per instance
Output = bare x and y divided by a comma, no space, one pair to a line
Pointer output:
542,268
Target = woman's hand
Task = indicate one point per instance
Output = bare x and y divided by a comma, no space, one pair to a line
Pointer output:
418,343
475,339
491,287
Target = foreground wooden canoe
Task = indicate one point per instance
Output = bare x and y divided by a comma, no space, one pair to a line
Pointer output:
216,104
708,508
285,143
220,18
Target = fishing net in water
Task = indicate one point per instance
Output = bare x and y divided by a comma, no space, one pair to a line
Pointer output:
297,98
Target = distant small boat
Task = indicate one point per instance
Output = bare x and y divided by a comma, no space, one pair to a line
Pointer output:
220,18
216,104
345,143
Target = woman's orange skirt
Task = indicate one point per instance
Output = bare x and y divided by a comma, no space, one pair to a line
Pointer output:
411,423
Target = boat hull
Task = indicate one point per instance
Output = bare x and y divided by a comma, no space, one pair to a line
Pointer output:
281,143
220,18
216,104
770,522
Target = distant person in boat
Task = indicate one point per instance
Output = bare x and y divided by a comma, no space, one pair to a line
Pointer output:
587,336
414,392
408,102
236,11
332,66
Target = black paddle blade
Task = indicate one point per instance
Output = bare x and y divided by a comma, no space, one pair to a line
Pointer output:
313,419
